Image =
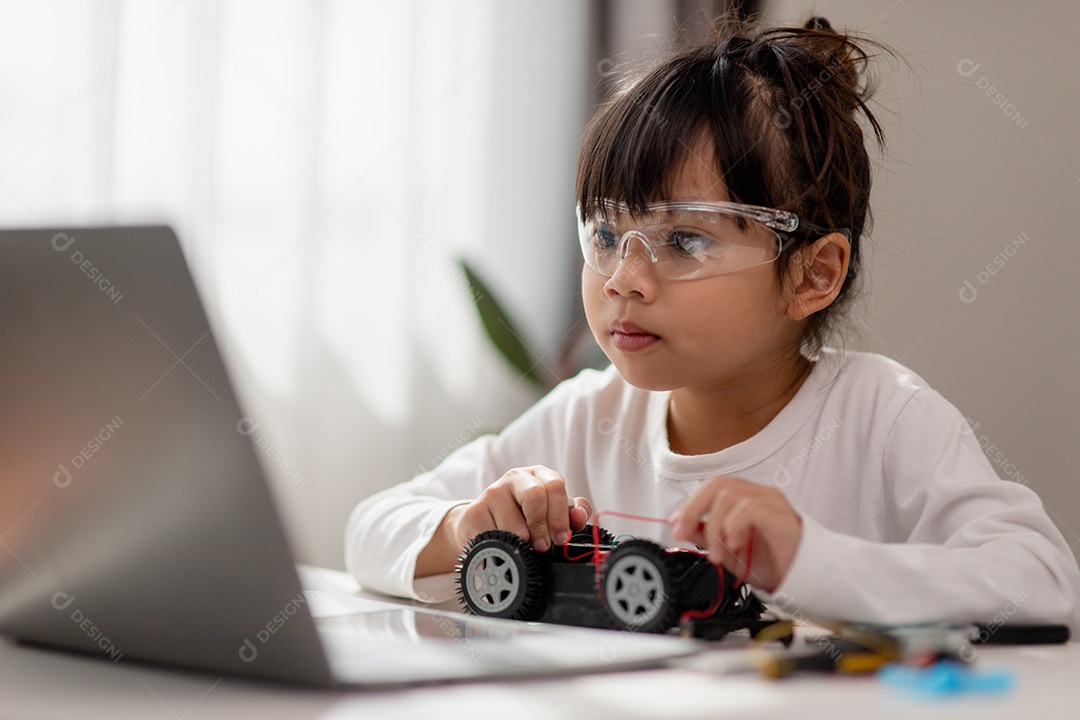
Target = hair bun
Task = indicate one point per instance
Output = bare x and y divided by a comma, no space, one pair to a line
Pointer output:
834,50
817,23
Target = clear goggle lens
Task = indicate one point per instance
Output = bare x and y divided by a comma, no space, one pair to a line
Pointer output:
684,241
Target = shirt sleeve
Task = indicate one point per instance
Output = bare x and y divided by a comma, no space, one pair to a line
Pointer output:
386,532
965,545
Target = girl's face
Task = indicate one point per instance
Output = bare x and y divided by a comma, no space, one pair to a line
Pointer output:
707,333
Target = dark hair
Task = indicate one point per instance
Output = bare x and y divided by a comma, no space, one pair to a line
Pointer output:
781,106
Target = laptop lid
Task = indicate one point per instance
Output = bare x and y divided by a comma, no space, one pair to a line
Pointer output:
135,521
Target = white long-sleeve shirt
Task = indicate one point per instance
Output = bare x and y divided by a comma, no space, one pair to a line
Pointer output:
903,517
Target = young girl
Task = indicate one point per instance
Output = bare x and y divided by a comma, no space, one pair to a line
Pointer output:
722,199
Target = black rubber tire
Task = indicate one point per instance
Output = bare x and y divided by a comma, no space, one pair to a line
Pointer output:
584,536
500,575
638,588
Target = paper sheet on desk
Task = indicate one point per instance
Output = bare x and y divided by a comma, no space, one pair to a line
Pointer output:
324,604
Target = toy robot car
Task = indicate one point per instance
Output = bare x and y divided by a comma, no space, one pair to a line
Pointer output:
593,581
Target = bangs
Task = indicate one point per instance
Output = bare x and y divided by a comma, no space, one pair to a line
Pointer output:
638,140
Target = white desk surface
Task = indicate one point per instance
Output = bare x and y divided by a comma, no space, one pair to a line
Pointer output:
37,683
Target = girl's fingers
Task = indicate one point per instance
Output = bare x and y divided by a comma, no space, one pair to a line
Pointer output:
688,519
558,516
507,513
580,512
540,492
530,502
727,516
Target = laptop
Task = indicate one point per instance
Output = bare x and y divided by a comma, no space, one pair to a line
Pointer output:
136,523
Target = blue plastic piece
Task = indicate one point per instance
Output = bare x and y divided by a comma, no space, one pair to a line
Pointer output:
947,678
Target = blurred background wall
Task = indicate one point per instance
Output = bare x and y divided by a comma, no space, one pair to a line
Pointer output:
327,163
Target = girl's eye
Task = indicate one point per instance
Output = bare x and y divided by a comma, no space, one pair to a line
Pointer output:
605,238
690,243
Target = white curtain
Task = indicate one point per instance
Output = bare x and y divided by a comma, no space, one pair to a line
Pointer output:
324,163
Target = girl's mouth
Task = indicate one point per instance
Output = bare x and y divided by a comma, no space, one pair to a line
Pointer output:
629,337
632,342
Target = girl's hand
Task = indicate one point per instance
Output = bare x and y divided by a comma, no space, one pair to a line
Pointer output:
723,515
530,502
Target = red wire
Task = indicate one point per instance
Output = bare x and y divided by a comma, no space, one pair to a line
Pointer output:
566,553
627,516
709,611
597,559
598,555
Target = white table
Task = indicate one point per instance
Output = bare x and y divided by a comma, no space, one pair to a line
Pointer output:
37,683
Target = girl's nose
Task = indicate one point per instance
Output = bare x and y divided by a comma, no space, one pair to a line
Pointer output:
634,274
626,240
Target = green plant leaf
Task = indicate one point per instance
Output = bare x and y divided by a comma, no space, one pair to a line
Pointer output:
501,329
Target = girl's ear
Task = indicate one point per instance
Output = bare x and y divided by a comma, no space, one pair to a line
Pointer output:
817,274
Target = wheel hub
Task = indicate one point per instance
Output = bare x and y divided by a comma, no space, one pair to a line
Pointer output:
492,580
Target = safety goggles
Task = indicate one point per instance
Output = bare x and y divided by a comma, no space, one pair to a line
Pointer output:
689,240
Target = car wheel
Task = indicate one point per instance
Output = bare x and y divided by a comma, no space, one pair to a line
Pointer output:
501,576
637,587
584,536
